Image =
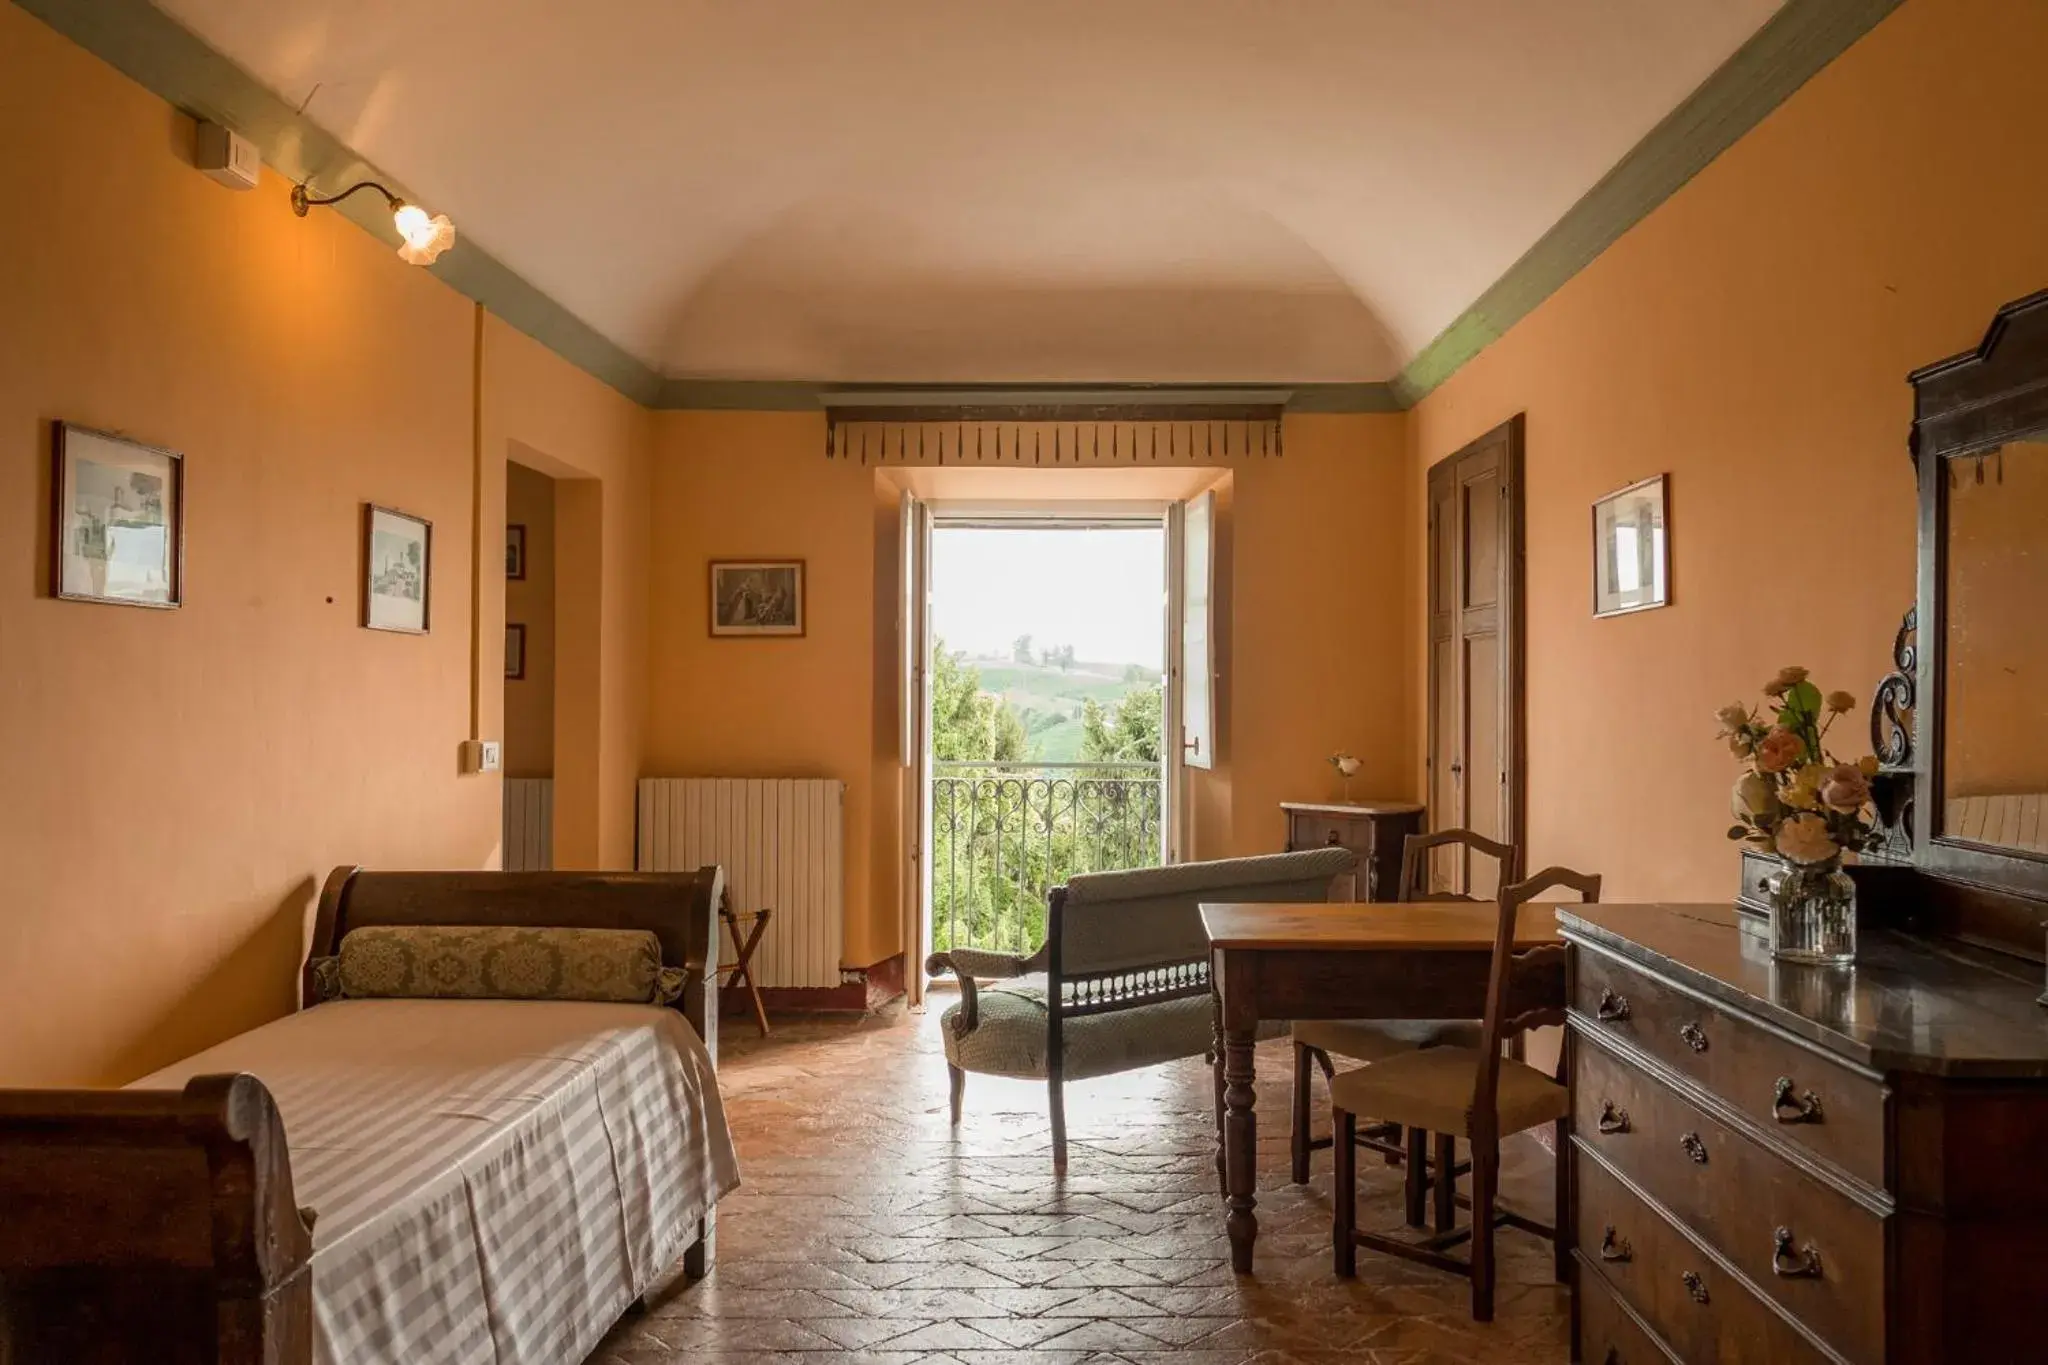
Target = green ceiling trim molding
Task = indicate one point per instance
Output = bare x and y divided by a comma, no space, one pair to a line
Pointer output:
150,48
1375,397
794,395
740,395
1783,55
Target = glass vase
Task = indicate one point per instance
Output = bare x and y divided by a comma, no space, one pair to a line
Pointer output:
1813,915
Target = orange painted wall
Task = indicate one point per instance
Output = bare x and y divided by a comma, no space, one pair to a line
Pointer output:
1316,650
530,601
542,413
1751,337
732,485
179,781
1318,579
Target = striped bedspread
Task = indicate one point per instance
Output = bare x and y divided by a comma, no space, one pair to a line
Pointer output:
495,1181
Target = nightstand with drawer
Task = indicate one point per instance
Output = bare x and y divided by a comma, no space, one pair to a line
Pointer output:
1375,830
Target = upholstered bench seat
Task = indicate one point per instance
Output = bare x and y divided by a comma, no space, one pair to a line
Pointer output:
1122,980
1011,1037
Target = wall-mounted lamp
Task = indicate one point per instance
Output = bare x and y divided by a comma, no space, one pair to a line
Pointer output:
425,238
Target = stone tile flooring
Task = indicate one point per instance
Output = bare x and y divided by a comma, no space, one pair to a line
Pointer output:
869,1232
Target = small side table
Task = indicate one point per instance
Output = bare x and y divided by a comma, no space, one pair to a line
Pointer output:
1374,830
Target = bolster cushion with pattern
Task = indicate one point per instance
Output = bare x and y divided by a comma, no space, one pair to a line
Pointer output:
497,962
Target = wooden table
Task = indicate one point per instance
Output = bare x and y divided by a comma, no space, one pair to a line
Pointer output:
1334,961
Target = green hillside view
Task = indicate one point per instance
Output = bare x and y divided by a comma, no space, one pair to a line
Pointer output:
1049,700
1002,837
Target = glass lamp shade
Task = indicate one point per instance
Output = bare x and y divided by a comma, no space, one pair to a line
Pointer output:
425,238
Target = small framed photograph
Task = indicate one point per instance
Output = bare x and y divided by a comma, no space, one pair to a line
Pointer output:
1632,549
757,597
515,652
117,525
398,568
515,551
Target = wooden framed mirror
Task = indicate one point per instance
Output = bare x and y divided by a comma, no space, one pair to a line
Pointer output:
1978,756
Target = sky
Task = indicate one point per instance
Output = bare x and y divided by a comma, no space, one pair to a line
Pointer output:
1101,591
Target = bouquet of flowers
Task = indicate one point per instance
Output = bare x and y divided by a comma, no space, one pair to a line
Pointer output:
1796,799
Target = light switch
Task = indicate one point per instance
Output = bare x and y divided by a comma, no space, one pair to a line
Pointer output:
481,756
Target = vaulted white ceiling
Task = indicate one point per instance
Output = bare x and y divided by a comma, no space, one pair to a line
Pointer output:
995,190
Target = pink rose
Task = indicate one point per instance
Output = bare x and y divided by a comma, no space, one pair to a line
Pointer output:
1845,788
1779,750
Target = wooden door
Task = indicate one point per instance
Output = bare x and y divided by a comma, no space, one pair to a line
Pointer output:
1475,652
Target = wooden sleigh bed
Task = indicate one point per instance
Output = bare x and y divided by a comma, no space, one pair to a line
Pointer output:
163,1225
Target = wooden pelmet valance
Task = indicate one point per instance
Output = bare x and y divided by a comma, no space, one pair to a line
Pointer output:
1079,429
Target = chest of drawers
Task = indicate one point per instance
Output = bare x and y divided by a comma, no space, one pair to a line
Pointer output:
1778,1163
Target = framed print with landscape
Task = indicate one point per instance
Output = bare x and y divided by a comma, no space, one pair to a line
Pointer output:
515,551
757,597
515,653
1631,549
398,562
117,520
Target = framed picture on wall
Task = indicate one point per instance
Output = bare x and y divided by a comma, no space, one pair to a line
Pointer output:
515,551
398,570
1632,549
117,520
515,652
757,597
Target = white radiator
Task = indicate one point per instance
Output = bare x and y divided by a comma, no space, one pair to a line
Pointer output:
529,824
779,841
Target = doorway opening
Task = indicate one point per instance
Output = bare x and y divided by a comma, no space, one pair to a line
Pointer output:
1046,725
529,758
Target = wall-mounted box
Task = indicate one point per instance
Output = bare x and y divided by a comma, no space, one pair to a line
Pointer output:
226,156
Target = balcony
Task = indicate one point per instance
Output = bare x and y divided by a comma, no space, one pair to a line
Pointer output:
1004,834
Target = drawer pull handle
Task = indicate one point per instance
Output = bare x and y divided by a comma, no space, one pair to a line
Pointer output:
1788,1264
1613,1248
1695,1037
1612,1008
1612,1120
1695,1286
1785,1109
1694,1148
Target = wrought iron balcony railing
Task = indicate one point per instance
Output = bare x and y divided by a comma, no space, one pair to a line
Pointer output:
1004,834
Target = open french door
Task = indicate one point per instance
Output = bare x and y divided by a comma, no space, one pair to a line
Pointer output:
913,633
1189,721
1191,665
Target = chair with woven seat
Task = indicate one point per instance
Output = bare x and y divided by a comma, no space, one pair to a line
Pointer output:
1317,1041
1122,980
1475,1093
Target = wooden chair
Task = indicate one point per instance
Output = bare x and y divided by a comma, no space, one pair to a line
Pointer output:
1476,1093
1316,1041
1416,856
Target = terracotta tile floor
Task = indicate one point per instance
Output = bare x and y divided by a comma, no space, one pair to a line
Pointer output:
869,1232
